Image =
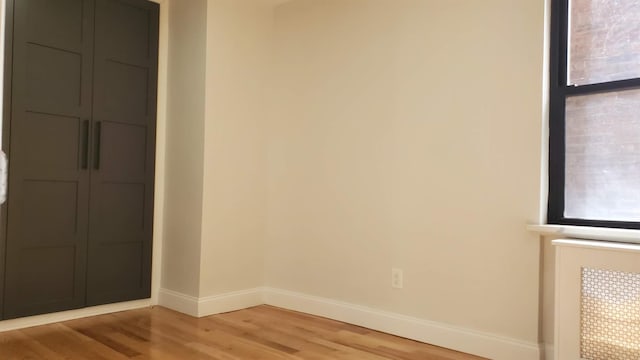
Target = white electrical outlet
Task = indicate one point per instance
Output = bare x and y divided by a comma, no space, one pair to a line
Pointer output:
396,278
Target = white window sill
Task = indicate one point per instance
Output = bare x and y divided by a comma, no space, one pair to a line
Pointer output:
587,233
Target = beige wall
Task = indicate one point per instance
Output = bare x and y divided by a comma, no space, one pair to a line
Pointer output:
234,202
315,147
184,146
219,61
406,134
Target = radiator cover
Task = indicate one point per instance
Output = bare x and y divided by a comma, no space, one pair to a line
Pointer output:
597,312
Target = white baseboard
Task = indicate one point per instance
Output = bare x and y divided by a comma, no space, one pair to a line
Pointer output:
210,305
180,302
230,301
451,337
37,320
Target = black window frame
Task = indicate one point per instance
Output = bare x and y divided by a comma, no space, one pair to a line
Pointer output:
558,93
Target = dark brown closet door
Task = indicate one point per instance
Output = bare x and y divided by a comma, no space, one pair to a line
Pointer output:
48,175
124,115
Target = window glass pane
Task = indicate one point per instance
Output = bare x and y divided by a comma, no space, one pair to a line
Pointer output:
604,41
602,163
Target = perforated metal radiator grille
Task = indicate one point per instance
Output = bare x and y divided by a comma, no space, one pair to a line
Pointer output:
610,315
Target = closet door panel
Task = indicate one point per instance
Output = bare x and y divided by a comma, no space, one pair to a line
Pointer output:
124,86
55,144
128,30
123,153
53,207
58,23
125,206
53,80
129,272
124,126
47,220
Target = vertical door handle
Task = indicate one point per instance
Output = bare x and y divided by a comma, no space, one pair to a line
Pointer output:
84,160
4,177
98,131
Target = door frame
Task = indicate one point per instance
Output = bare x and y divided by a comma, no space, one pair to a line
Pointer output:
6,32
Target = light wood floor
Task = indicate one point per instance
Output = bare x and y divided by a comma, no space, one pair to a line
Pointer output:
263,332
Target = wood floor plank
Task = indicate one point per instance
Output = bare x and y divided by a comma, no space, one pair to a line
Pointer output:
17,342
262,332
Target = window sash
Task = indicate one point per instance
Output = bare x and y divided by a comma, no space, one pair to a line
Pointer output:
559,92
